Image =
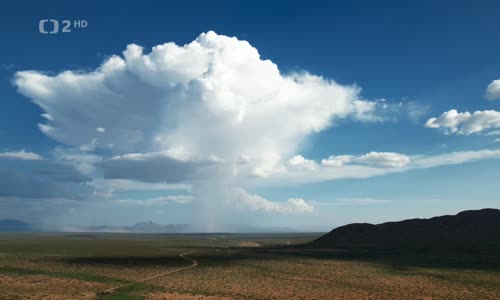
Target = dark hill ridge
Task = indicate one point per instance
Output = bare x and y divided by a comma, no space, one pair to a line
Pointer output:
473,230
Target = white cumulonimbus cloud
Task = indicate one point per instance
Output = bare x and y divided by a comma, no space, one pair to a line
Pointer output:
213,110
454,122
214,100
493,90
212,115
214,97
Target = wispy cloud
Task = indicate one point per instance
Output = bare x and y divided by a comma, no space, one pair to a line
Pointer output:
21,154
352,201
303,170
157,201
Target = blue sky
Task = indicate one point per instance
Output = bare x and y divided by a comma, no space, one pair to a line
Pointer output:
412,61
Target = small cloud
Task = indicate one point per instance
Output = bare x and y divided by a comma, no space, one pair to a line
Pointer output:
493,90
300,161
454,122
48,117
105,194
337,161
384,159
22,155
241,198
100,129
380,159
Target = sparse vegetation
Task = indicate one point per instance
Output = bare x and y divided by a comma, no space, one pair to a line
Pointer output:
230,267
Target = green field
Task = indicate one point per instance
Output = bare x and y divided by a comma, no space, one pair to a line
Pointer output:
230,266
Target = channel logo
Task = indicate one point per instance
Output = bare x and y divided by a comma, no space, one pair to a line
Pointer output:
54,26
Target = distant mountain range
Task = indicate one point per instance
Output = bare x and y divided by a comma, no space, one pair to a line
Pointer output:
468,230
142,227
473,230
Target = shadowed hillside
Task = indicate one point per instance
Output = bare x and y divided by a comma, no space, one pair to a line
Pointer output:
469,231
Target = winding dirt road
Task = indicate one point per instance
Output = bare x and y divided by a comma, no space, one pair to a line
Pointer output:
183,255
